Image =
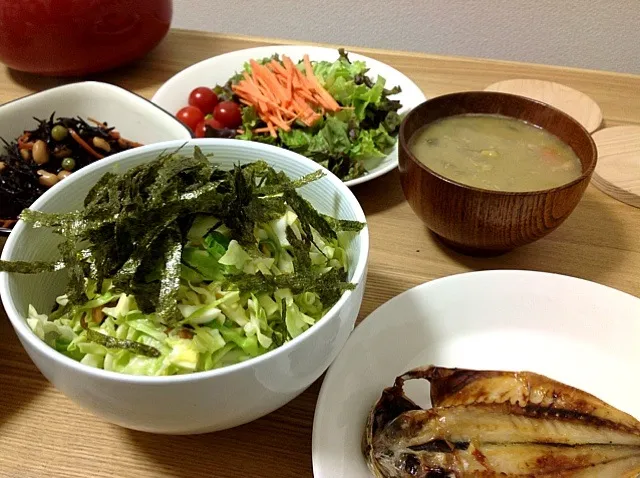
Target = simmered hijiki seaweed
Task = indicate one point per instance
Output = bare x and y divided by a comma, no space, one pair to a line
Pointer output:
41,157
186,267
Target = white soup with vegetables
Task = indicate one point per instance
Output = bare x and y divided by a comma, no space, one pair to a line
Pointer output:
495,152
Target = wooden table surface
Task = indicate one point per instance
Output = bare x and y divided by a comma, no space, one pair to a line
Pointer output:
43,434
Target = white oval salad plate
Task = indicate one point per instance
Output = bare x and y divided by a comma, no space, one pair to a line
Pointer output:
578,332
174,94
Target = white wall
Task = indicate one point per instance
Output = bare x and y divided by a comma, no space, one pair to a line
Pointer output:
597,34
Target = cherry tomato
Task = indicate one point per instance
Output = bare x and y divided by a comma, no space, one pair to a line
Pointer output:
201,129
204,99
228,113
190,116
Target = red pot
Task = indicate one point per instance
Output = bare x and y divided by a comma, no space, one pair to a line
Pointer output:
78,37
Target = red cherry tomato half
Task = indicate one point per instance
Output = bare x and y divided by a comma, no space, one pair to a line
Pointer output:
201,129
228,113
204,99
190,116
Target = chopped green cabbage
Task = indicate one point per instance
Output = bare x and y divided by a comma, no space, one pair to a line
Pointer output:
220,325
177,266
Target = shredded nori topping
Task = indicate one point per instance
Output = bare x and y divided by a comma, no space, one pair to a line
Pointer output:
329,286
113,343
134,225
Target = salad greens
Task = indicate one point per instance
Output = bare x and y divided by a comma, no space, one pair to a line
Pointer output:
347,142
177,266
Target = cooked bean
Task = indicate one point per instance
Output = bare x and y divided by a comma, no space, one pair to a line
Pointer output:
2,166
46,178
68,164
24,152
61,152
63,174
59,132
40,152
101,143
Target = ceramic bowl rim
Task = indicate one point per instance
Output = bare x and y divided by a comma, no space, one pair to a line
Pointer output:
99,84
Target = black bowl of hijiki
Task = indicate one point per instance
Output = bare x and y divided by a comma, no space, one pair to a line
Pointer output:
490,171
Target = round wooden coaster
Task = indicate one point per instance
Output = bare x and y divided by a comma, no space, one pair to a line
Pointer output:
618,169
573,102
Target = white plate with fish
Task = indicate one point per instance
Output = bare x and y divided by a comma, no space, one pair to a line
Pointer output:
571,330
174,94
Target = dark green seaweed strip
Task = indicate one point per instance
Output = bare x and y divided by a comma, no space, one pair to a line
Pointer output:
307,215
123,344
243,206
328,286
344,225
278,185
279,327
170,281
35,267
307,178
47,219
127,272
300,249
75,267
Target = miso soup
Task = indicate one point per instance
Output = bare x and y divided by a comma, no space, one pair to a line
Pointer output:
495,152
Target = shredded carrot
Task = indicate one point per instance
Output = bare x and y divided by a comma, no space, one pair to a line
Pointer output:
272,130
307,95
275,66
84,144
280,123
113,133
282,94
23,141
316,85
290,85
96,122
129,143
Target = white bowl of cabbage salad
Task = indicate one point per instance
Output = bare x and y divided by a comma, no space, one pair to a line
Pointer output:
230,354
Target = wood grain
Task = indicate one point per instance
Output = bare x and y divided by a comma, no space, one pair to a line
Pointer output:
44,434
573,102
618,170
478,221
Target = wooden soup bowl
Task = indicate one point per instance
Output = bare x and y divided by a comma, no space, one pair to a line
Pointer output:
483,222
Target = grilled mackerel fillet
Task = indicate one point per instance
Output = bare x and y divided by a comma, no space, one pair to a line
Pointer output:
498,424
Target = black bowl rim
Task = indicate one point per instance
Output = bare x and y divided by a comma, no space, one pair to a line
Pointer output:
403,143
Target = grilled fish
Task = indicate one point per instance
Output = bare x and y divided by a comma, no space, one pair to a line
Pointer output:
507,424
